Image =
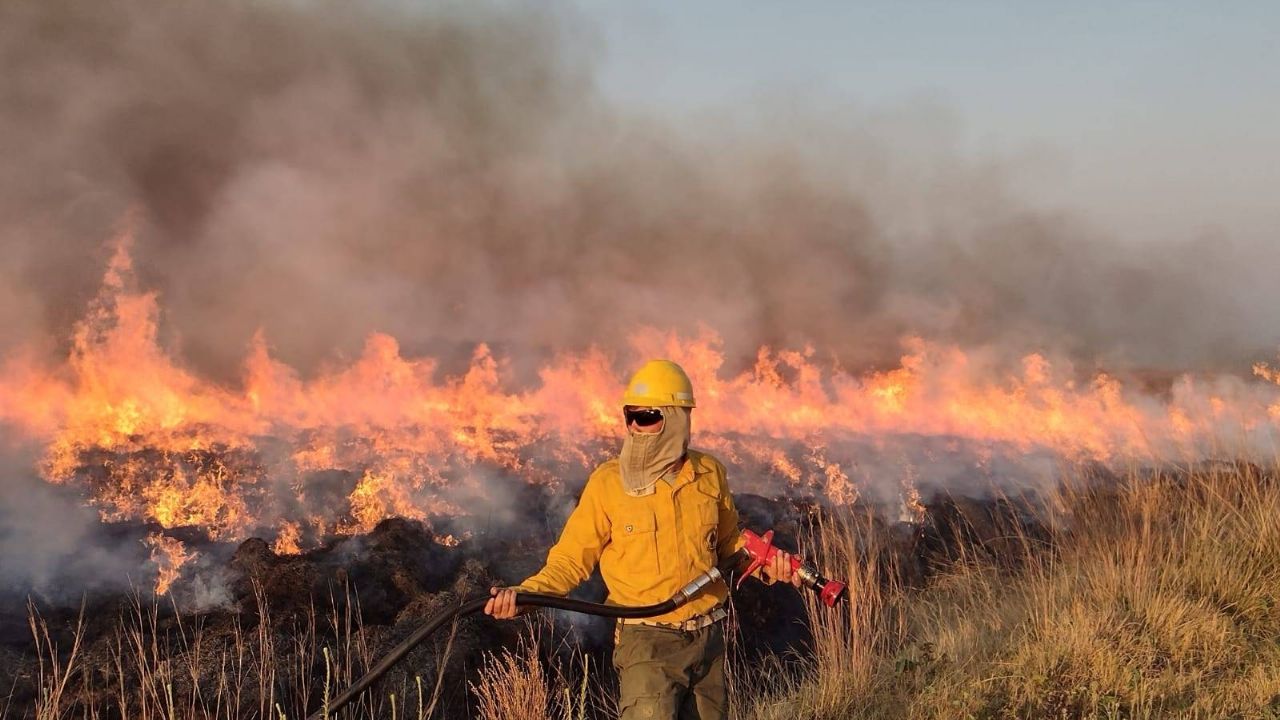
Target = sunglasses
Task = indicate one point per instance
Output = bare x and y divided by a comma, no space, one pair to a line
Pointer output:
643,417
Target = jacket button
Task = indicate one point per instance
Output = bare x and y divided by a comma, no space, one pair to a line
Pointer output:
629,528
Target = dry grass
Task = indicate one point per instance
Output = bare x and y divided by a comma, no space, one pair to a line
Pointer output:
53,672
848,645
1159,599
256,673
515,685
184,670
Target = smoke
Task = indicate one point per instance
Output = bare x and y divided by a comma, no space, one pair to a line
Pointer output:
54,546
321,170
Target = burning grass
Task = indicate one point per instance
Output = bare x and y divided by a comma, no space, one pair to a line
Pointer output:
1144,596
297,459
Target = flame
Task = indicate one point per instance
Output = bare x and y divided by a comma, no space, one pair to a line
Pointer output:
287,540
298,459
913,510
450,540
168,555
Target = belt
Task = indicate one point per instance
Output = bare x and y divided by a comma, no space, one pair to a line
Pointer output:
697,622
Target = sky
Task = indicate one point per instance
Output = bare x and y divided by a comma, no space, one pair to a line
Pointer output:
1152,119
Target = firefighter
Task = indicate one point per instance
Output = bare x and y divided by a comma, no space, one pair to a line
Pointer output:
654,518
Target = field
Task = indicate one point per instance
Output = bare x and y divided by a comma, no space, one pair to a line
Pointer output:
1151,595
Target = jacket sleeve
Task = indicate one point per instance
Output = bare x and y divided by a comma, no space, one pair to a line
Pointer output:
573,558
729,533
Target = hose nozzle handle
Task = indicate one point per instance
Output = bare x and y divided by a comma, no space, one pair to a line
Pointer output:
761,550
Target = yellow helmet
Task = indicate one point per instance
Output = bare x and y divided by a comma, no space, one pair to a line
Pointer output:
659,383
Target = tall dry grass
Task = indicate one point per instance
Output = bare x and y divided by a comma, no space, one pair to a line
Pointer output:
1159,598
847,643
183,669
525,683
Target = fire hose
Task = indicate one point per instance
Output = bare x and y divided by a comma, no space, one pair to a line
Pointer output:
758,550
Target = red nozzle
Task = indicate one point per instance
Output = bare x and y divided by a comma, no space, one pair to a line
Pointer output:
762,551
832,593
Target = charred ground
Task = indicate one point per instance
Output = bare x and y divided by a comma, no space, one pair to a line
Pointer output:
377,587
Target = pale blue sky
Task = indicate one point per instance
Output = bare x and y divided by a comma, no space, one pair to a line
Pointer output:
1153,118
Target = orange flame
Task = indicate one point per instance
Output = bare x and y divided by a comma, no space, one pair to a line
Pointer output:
168,555
154,442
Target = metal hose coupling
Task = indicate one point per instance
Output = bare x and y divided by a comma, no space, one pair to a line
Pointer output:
688,592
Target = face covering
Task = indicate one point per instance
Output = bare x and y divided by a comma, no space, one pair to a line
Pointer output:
648,457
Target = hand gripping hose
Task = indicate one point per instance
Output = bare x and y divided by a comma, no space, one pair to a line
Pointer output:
523,599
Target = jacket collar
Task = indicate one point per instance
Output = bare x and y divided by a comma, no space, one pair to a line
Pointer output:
694,468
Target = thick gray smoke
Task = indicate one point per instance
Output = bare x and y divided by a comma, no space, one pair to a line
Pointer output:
52,544
321,170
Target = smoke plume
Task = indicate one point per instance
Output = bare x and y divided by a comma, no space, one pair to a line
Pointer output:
450,175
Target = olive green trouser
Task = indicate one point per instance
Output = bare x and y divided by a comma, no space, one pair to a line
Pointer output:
665,674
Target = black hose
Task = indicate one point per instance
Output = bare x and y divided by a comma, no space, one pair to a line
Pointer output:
476,605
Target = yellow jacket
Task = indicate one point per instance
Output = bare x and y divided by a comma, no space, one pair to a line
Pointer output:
647,547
